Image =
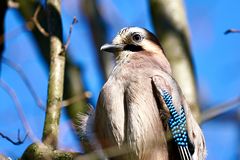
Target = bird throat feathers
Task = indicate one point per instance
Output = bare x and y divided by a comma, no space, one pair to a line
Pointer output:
145,58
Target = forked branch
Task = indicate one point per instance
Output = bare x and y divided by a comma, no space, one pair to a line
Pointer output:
19,140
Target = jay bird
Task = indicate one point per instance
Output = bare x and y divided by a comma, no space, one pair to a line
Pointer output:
141,111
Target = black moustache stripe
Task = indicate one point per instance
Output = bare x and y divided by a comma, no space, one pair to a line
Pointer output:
133,48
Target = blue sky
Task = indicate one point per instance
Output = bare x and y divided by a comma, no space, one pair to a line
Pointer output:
216,58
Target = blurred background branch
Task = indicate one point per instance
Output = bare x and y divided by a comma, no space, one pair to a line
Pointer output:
98,31
19,110
12,4
216,111
21,73
232,31
171,26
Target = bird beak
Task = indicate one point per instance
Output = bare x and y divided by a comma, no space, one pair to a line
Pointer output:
112,48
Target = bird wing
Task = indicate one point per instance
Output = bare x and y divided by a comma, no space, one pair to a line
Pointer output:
169,94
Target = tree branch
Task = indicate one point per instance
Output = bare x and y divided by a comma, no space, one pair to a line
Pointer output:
215,111
36,22
73,83
39,151
12,4
56,77
18,106
98,31
75,99
232,31
70,32
170,23
2,157
19,140
21,73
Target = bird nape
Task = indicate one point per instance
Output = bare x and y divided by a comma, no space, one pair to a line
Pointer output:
141,108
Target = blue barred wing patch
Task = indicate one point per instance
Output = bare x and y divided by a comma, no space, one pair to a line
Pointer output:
176,122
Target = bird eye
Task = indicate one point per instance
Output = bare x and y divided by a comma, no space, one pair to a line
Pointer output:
137,37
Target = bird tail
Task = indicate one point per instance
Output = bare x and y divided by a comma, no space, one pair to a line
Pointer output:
184,153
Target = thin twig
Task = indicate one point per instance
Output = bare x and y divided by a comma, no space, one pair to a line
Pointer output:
75,99
14,33
21,73
36,22
70,32
220,109
18,105
111,152
29,25
19,140
232,31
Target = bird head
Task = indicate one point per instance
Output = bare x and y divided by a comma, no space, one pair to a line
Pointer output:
137,42
133,39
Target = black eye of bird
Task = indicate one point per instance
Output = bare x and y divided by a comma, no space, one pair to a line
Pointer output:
137,37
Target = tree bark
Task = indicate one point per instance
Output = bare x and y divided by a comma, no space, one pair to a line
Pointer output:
39,151
170,23
56,77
